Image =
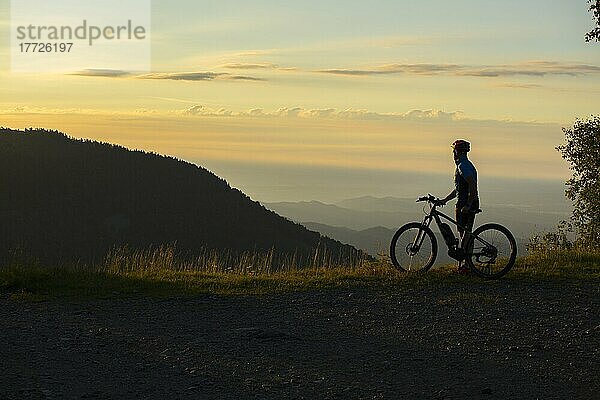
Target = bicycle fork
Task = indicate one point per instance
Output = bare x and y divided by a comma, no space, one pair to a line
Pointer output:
416,245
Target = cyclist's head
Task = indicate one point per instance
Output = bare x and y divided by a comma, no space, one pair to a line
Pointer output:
460,147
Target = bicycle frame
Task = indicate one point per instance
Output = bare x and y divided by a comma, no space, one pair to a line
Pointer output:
435,215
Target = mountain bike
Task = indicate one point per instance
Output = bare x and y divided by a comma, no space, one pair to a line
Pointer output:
489,251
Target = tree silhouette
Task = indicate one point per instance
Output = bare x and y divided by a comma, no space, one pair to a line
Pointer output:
67,200
594,34
582,151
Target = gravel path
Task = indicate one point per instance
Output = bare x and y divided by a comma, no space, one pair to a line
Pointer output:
480,340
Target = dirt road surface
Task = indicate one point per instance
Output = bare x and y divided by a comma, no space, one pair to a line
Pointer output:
495,340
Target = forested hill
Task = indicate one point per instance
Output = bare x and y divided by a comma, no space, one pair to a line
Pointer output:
65,200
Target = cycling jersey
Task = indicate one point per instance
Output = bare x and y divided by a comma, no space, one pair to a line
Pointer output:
464,169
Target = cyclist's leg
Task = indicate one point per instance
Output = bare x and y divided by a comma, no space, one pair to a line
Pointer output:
469,220
460,220
466,221
469,223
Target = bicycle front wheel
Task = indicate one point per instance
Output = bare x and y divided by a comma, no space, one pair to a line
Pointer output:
491,251
413,248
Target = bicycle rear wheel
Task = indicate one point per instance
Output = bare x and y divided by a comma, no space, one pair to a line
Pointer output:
413,248
491,251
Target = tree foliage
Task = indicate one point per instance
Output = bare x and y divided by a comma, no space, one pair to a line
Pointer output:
594,34
582,151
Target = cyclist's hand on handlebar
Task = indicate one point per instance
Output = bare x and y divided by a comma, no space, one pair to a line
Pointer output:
440,202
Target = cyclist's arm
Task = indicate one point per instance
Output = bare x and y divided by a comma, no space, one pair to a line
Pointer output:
450,196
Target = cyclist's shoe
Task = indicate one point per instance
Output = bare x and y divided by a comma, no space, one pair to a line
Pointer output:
462,269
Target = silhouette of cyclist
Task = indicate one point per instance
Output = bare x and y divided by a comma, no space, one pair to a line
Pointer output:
465,188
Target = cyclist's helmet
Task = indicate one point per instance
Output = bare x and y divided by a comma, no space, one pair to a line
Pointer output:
461,146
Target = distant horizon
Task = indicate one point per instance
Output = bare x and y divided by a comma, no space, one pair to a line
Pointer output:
289,183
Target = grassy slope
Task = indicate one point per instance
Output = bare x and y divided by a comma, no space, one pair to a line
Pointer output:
37,283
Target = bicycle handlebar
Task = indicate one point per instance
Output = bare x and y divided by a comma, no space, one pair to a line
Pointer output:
429,197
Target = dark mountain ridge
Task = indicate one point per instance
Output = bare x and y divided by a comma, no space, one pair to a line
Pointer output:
73,200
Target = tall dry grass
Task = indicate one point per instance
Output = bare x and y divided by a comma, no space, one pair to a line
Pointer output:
125,259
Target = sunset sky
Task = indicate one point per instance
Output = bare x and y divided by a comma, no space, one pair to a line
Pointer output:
329,99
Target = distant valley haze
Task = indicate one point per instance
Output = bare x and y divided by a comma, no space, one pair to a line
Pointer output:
369,222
